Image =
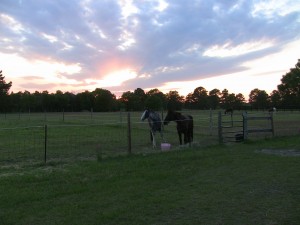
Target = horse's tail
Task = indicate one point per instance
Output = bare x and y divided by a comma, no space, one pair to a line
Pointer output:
192,128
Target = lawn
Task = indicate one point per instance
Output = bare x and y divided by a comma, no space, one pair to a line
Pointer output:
228,184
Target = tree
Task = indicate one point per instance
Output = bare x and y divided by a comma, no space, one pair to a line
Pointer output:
289,88
174,100
85,100
275,99
4,88
158,94
259,99
198,99
214,97
239,101
224,98
38,102
104,100
153,102
139,98
26,101
127,99
60,101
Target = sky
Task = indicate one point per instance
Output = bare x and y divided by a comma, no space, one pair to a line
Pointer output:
171,45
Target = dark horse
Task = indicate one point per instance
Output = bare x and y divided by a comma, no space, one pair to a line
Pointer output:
272,110
155,124
228,111
185,125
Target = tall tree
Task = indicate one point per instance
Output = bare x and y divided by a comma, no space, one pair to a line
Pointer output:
259,99
85,100
198,99
214,97
239,101
153,102
224,99
127,99
289,88
174,100
4,88
275,99
104,100
158,94
139,98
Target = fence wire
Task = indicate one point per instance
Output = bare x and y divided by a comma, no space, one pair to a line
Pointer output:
73,136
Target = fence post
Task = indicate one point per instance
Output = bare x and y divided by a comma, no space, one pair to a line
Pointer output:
45,115
210,122
272,124
245,125
129,133
220,127
162,120
45,146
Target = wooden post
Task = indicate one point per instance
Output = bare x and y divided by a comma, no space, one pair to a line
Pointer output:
210,122
63,115
129,133
220,128
245,125
45,115
162,120
45,146
272,124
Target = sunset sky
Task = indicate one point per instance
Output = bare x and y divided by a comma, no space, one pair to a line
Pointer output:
121,45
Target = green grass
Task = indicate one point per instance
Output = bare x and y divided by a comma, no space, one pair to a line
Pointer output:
230,184
72,136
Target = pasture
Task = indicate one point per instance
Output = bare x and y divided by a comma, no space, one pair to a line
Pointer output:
256,182
24,137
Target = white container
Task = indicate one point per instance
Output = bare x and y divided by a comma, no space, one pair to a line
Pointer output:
165,146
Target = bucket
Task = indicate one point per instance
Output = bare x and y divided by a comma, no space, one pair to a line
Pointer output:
165,146
239,137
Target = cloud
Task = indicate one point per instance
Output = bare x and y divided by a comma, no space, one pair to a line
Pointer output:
159,41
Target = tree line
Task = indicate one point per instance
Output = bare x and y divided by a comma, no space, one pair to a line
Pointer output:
287,96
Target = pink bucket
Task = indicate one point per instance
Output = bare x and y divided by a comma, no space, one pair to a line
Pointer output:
165,146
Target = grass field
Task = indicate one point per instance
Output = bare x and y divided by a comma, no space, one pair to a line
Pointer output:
247,183
85,135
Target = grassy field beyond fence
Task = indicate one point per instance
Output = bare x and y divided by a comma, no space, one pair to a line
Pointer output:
89,135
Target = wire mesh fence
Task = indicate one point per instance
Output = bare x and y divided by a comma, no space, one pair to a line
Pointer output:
37,137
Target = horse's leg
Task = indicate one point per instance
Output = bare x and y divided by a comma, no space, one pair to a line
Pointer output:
162,136
190,131
189,136
180,138
185,137
153,140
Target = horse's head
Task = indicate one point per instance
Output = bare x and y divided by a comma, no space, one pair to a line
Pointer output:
145,115
171,116
229,110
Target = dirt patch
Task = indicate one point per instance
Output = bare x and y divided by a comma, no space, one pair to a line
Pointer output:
281,152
